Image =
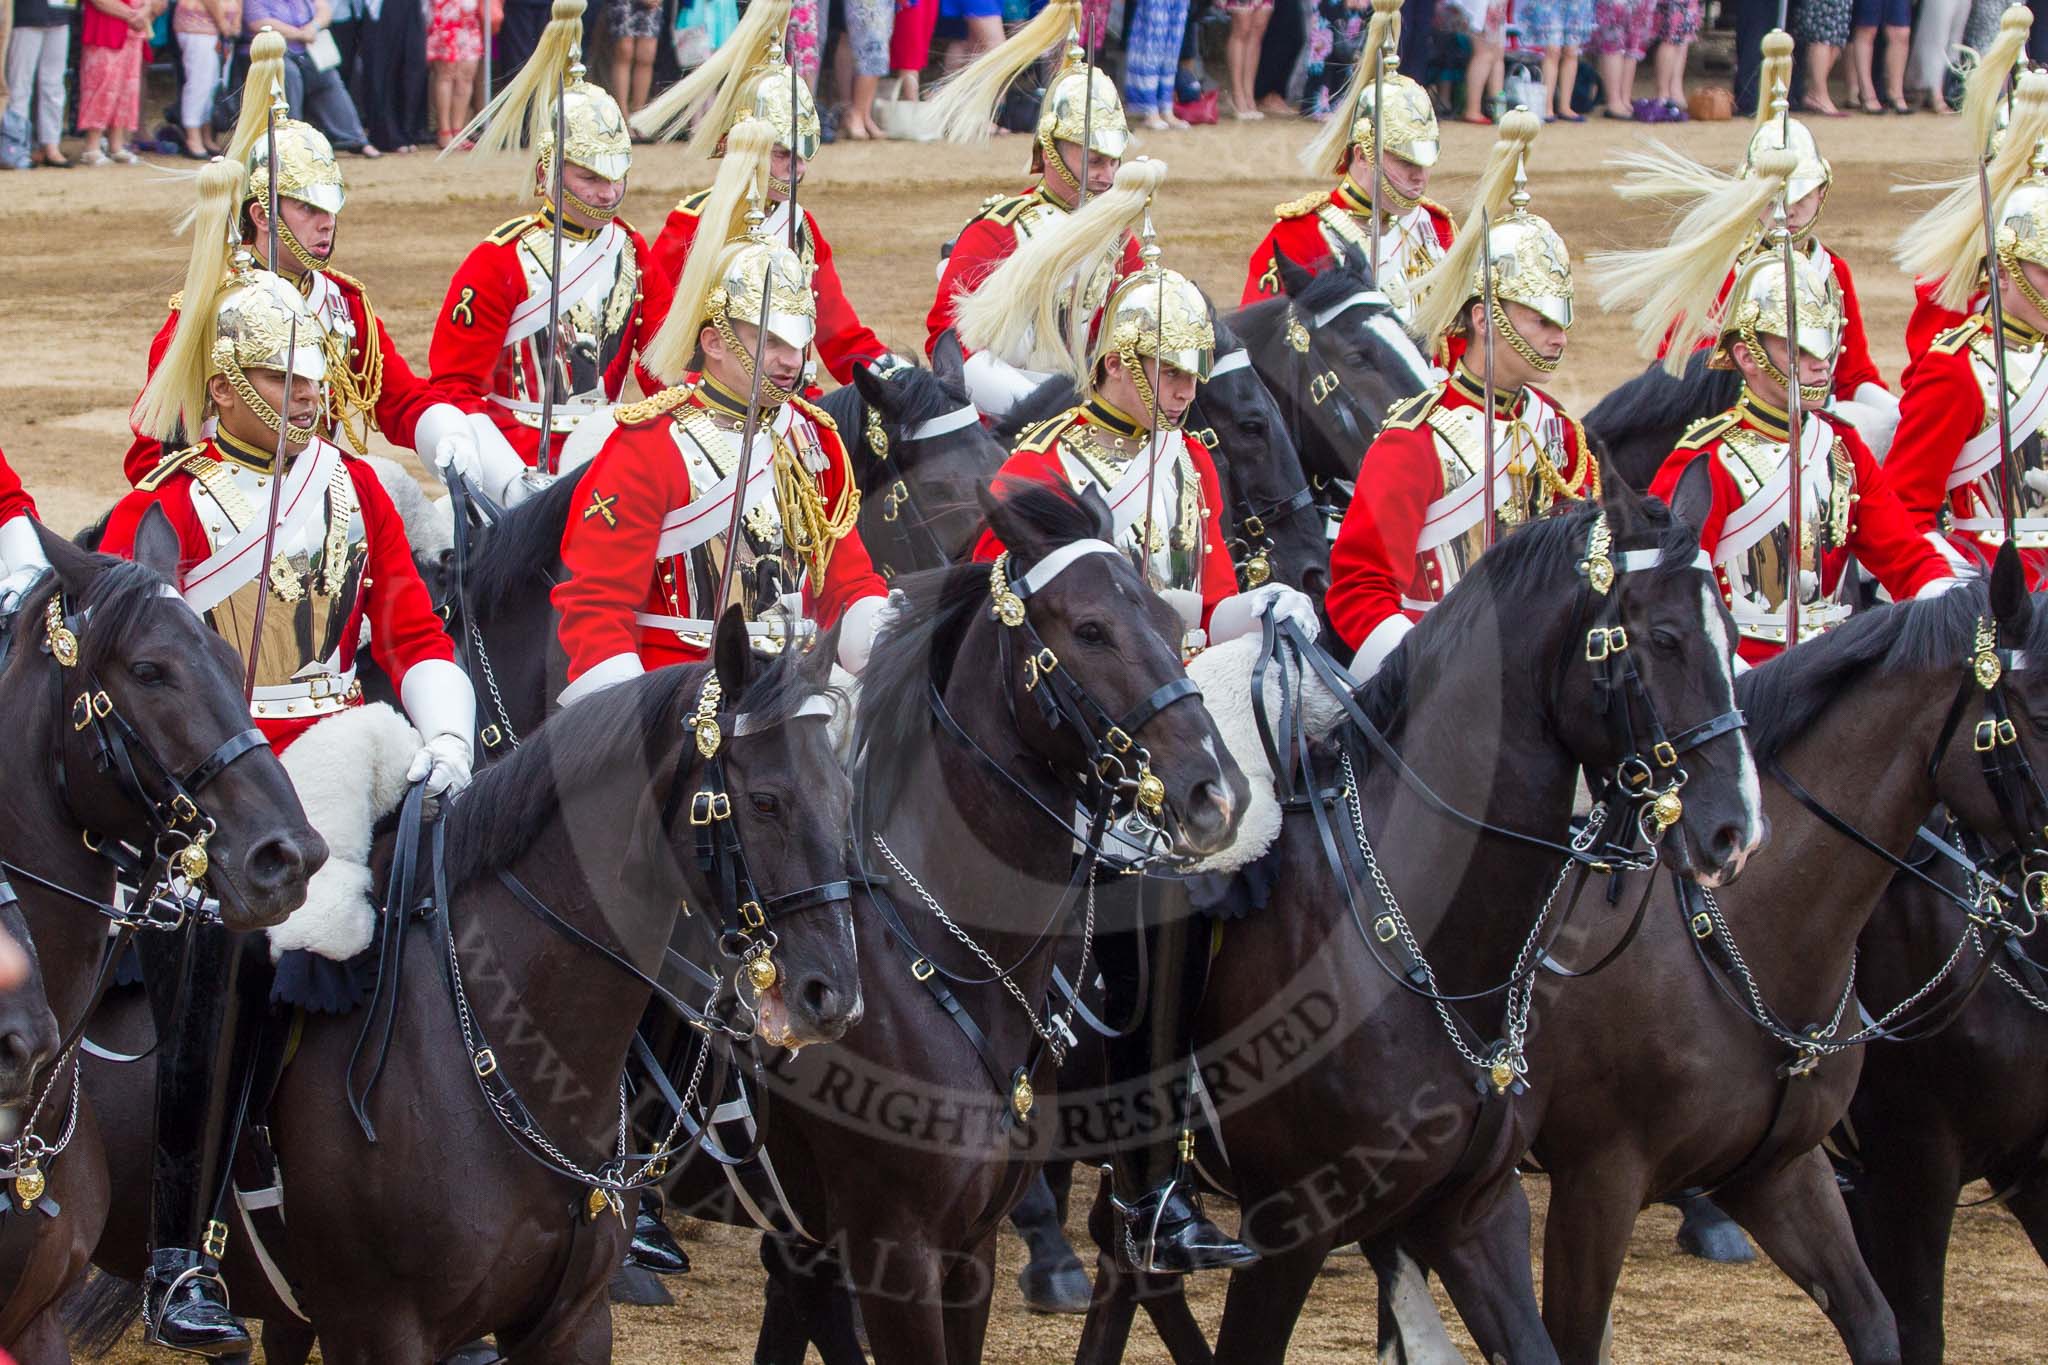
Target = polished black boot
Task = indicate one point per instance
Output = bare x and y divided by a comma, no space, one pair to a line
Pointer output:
197,992
1160,1224
654,1246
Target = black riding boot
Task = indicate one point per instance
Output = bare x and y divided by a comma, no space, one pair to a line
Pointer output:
197,991
654,1247
1161,1227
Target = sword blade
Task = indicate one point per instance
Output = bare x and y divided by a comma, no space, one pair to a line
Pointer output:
743,470
1795,416
284,424
2008,476
561,208
1487,526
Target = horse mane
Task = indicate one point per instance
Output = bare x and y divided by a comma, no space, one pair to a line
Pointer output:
1048,400
1785,696
526,542
623,729
1655,402
1527,564
925,632
120,595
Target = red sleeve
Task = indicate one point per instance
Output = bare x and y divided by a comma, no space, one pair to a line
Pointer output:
1725,493
849,575
650,309
608,546
174,496
469,331
14,500
982,246
1854,368
672,243
403,395
1927,321
1219,574
145,451
1940,409
1373,559
404,629
1881,533
842,337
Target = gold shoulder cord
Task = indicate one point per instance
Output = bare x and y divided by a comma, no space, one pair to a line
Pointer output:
353,393
1842,474
811,531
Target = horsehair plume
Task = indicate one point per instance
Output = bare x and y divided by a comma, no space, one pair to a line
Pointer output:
265,78
1675,287
1775,71
1984,90
1326,151
1947,242
523,112
175,397
966,102
1018,312
1661,172
716,82
740,175
1441,294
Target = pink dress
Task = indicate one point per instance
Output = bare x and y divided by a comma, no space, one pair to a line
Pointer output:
455,31
110,84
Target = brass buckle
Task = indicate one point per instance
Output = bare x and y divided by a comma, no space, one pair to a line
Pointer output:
1986,738
183,810
89,707
708,808
1702,925
751,916
1603,642
1039,667
492,736
1384,929
923,969
2007,733
1666,756
486,1063
1117,739
215,1243
1253,526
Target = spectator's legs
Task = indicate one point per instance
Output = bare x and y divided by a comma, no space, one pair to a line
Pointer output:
1152,52
1247,36
1482,76
441,93
295,87
984,31
643,72
1942,25
519,35
201,52
1567,80
1418,37
1670,68
1753,19
1897,38
1820,61
1856,76
329,109
394,80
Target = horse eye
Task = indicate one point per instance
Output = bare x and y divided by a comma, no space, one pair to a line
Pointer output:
765,804
1091,632
1252,428
147,673
1666,641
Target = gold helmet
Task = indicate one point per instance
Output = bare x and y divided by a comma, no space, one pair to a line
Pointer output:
594,131
1080,104
1778,131
594,134
1157,314
1946,243
1408,123
1756,308
306,168
253,325
2022,225
767,96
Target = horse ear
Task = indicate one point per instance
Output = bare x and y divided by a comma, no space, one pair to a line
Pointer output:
1294,278
1351,257
2011,606
873,388
156,543
1098,508
949,358
732,656
815,666
1692,501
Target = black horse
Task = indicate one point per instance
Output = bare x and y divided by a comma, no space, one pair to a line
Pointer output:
480,1208
129,730
1640,422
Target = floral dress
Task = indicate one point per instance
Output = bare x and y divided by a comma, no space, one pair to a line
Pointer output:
454,31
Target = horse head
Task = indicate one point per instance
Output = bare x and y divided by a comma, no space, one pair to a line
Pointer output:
1089,658
149,733
28,1029
1645,696
920,457
1268,506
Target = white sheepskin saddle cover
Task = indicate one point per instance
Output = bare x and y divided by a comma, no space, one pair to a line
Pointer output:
1224,673
349,772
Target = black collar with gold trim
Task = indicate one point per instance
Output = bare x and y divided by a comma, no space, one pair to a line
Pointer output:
1505,405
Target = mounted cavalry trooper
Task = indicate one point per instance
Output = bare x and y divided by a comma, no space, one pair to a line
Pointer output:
645,549
1845,504
490,351
1945,460
748,76
1859,393
1147,347
369,385
1417,520
1414,231
294,596
1080,138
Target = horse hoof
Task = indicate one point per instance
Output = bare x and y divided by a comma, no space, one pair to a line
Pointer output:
1057,1289
1711,1234
638,1288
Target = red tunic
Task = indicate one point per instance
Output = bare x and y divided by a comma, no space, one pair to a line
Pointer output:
988,240
14,500
842,337
608,547
1853,366
469,333
401,396
1299,233
1929,319
1044,465
1374,562
404,629
1881,533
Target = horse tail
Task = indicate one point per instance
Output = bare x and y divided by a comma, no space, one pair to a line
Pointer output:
1947,242
1641,421
98,1313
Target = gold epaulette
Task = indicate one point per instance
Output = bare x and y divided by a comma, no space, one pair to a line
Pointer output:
1413,411
507,232
648,409
1039,437
814,412
347,279
1955,338
1296,208
1707,429
693,204
169,465
1003,209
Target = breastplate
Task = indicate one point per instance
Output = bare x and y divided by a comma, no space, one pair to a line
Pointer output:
588,337
760,576
1460,443
1760,577
1980,502
1408,249
1174,552
313,580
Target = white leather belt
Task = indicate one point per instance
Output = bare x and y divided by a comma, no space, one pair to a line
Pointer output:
320,695
768,636
566,414
1769,626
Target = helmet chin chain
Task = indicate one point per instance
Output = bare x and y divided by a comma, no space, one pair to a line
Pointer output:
1056,163
772,394
2016,272
266,414
1811,395
1148,402
1518,343
289,240
597,217
1393,203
